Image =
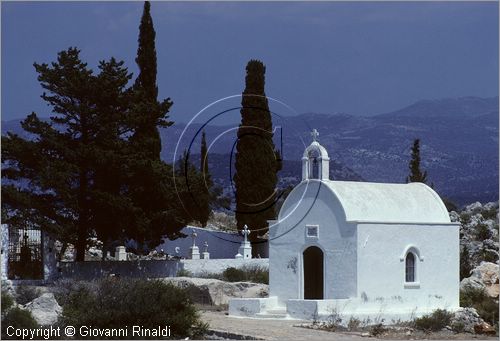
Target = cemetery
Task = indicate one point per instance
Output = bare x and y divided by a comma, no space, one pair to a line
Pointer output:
339,252
227,216
365,250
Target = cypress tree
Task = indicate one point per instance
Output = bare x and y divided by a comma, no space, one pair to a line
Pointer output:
152,187
150,113
416,174
206,184
256,163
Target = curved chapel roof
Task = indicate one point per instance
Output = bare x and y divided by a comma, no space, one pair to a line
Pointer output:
393,203
373,202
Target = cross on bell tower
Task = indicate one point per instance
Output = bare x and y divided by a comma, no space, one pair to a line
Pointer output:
315,135
315,160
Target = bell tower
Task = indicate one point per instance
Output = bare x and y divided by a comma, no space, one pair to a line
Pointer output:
315,161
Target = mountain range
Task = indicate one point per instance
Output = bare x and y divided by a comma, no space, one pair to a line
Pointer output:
459,145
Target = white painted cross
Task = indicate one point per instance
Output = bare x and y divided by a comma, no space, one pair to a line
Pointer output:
245,232
315,134
206,246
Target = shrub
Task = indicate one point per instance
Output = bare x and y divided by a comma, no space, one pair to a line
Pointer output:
7,301
334,320
436,321
233,275
458,327
118,302
488,255
254,274
464,218
490,213
482,232
465,263
184,273
26,294
377,329
479,299
17,318
353,324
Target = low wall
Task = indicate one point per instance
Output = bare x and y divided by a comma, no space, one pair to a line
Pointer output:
152,268
98,269
201,266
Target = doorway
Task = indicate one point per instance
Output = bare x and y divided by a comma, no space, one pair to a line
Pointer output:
313,273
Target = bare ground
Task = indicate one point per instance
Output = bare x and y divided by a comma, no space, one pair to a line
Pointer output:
281,329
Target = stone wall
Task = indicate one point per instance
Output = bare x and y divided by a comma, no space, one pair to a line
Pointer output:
98,269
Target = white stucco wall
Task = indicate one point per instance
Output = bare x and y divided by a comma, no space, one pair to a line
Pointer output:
204,266
287,240
381,271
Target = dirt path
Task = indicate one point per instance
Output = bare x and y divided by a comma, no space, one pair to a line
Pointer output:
268,329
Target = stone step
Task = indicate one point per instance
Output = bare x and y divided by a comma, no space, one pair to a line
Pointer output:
276,311
271,316
273,313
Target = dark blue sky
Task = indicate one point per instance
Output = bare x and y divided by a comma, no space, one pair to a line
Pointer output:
360,58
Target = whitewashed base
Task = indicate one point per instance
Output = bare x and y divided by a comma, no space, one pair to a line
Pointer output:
324,310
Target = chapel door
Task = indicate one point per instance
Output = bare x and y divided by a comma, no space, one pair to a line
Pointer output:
313,273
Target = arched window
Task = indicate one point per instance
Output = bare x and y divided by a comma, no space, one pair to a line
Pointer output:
410,267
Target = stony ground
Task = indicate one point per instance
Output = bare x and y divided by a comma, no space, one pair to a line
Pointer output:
270,329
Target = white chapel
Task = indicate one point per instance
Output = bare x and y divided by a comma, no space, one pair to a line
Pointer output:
368,250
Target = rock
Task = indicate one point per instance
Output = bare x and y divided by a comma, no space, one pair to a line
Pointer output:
44,309
466,317
7,286
475,207
484,276
217,292
484,328
365,334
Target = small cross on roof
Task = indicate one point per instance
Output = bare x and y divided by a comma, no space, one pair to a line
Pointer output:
315,134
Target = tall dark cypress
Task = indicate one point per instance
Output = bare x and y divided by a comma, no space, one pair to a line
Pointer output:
204,208
416,174
256,162
146,54
150,188
151,114
204,154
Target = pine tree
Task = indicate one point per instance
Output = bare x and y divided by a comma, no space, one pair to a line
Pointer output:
256,157
416,174
59,178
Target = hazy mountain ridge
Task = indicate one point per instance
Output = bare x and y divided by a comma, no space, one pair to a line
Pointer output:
459,144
